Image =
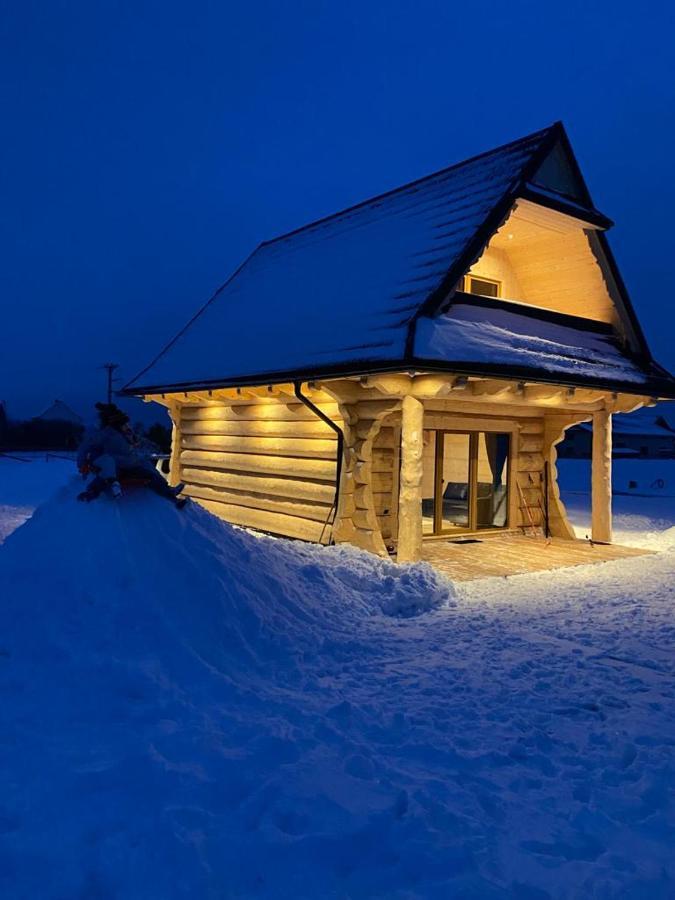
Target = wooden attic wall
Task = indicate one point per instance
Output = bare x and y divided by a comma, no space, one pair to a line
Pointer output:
543,260
264,463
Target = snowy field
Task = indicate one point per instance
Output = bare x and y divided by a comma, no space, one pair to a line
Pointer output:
189,711
643,501
26,480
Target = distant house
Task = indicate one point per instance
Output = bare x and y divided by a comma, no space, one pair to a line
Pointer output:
403,371
60,412
645,433
57,428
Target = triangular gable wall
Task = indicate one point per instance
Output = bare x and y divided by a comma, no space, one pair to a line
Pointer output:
547,259
557,170
559,173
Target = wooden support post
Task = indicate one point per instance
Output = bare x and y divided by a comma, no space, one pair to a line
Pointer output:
176,437
410,492
601,488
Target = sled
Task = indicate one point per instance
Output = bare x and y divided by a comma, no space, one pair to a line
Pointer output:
133,481
125,483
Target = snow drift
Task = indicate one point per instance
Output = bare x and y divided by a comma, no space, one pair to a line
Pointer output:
189,711
159,669
25,482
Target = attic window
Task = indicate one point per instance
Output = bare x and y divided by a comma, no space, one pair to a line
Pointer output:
485,287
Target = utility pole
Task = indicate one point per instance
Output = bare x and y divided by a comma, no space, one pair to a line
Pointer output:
110,368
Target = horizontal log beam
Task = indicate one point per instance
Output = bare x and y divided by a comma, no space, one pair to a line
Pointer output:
451,422
531,444
286,526
304,448
316,512
531,427
256,464
256,393
529,462
471,406
273,410
382,482
299,489
530,479
258,428
384,503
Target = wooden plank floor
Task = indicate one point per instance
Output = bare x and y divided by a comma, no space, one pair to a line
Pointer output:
517,554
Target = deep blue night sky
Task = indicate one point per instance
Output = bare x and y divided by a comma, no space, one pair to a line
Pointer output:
148,147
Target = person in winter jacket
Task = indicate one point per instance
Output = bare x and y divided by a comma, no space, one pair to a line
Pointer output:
112,451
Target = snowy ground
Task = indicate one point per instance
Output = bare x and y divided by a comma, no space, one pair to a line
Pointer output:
189,711
643,501
26,480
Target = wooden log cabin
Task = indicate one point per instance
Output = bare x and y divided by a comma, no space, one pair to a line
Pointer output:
404,370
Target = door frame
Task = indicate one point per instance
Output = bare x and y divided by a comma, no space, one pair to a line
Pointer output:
472,486
438,482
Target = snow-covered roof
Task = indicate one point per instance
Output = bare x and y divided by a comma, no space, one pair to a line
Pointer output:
641,423
347,293
650,423
60,411
485,335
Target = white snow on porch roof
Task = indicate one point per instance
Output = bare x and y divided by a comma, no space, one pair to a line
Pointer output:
343,289
473,334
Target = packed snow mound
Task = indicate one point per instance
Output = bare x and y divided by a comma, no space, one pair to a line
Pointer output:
162,548
661,540
132,636
25,481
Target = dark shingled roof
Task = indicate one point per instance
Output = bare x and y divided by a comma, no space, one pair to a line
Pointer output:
345,294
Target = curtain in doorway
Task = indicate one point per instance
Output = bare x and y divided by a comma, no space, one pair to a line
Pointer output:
497,450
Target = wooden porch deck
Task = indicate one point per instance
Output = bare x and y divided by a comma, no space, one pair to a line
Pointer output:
516,554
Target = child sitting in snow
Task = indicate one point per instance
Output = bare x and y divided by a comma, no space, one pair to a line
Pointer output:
113,451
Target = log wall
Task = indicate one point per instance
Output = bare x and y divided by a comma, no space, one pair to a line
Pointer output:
387,444
260,458
265,463
529,473
369,475
270,464
555,426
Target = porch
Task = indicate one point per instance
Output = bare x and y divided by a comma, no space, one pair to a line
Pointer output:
487,470
470,558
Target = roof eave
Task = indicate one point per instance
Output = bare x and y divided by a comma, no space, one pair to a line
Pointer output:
560,204
663,388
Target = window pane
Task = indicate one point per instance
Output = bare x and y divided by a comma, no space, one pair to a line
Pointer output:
455,482
492,498
484,288
428,480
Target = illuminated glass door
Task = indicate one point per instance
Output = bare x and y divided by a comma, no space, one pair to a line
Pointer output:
465,481
453,481
491,482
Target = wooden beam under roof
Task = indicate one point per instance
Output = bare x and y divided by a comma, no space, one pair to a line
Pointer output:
426,387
